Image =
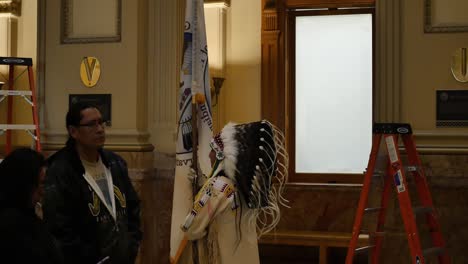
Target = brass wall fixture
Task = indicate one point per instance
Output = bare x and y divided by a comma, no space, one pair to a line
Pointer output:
459,65
217,83
10,7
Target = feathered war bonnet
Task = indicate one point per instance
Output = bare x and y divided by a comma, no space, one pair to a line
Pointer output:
254,156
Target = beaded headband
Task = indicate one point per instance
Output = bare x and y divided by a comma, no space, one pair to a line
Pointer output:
217,145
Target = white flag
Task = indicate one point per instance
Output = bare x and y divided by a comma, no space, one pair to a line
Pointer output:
194,79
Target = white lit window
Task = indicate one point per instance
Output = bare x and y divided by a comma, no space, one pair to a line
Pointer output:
333,78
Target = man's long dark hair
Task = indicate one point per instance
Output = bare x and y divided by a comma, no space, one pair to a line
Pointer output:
19,176
74,117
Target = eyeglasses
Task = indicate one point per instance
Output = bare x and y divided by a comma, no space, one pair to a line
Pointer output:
94,124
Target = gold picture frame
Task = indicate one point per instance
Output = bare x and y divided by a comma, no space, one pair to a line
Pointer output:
444,16
90,21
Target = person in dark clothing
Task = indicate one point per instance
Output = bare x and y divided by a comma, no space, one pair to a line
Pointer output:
23,236
90,205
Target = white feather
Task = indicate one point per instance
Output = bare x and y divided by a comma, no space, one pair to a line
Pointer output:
231,149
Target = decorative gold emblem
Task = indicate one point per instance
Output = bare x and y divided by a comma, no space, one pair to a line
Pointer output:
95,207
90,71
120,197
460,65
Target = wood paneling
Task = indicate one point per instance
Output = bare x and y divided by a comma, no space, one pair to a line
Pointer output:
323,240
272,77
272,99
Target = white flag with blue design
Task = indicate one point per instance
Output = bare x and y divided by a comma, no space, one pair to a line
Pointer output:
194,79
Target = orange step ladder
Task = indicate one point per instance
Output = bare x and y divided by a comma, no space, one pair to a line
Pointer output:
28,95
395,176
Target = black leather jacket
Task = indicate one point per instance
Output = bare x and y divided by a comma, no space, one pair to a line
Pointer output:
85,230
25,239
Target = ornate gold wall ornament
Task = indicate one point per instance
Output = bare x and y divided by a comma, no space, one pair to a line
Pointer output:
459,64
12,7
90,71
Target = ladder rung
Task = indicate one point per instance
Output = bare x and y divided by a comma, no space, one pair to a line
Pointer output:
433,251
363,249
377,234
372,209
378,174
17,127
15,61
421,210
373,233
15,92
412,168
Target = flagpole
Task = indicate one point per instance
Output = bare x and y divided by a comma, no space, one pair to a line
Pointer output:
195,98
195,93
180,250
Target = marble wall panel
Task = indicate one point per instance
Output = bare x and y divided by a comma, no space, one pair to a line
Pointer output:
332,208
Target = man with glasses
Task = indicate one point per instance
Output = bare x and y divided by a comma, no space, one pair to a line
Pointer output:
90,205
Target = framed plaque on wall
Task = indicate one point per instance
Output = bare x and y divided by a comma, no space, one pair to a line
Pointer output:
452,108
442,16
88,21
